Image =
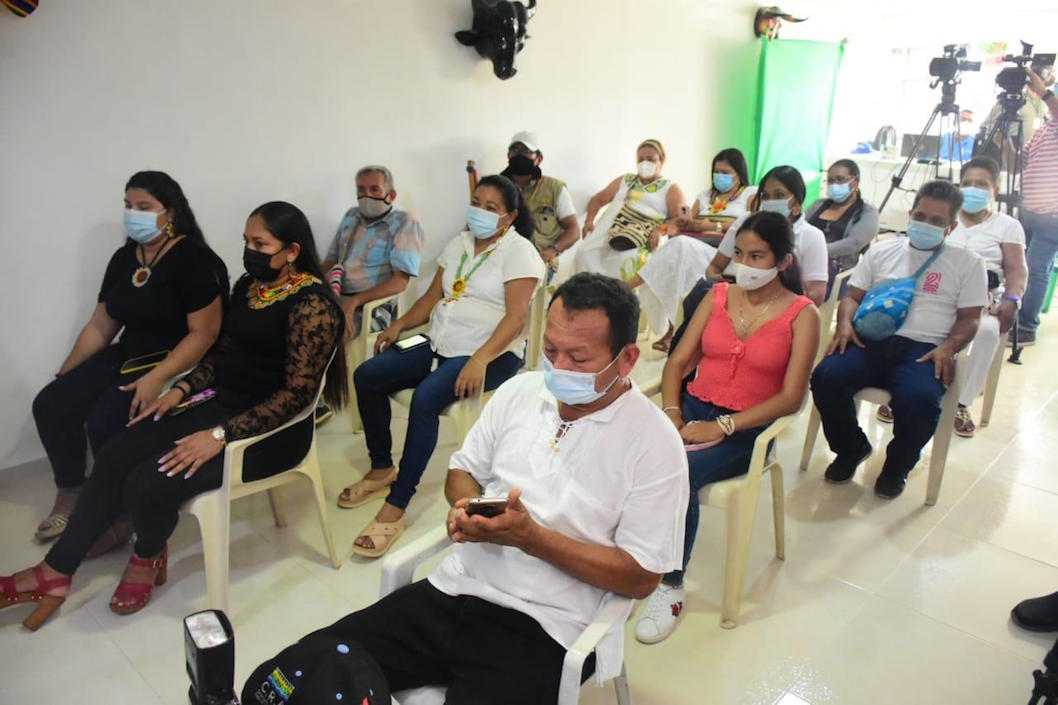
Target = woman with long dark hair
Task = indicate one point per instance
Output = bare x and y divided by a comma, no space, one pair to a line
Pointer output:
753,343
477,307
164,291
280,332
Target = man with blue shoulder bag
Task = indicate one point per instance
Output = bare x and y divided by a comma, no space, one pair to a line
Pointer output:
912,304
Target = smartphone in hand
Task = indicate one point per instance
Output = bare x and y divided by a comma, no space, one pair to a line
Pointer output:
487,507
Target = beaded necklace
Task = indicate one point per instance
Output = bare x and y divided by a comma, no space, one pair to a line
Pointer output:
261,296
143,272
459,286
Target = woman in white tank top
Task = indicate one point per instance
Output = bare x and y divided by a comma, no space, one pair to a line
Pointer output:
643,207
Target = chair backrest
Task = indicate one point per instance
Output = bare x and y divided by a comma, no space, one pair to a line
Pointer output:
233,452
829,310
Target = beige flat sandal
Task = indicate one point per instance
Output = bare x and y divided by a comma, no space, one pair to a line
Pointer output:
382,534
363,491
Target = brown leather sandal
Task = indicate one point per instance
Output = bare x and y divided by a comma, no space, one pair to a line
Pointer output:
382,535
363,491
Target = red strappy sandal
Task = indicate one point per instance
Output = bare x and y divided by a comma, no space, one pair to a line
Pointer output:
132,597
46,604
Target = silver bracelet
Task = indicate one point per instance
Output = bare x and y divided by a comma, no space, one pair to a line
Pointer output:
726,424
667,409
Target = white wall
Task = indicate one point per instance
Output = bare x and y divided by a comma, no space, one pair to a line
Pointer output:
244,101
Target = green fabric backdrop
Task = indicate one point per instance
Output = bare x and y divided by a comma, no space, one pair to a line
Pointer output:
794,100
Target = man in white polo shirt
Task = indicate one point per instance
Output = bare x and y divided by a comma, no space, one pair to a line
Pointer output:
917,363
596,481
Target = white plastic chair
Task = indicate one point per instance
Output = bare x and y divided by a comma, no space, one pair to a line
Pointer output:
992,384
359,350
213,509
828,311
537,323
398,570
941,437
738,498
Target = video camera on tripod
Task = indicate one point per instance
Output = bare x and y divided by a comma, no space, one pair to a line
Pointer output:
1012,79
945,69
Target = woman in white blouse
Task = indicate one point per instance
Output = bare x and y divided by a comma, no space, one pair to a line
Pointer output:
642,207
673,270
477,307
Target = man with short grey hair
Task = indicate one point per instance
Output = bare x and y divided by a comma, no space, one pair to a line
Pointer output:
376,250
374,254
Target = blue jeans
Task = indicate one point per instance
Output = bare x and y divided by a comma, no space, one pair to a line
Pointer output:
1043,246
725,460
888,364
392,371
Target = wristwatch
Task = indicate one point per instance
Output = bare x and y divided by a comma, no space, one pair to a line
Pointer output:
218,435
1015,299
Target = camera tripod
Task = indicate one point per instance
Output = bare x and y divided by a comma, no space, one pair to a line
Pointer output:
1010,129
945,107
1045,686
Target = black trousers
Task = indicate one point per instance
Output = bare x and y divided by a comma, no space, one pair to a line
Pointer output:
482,652
126,475
82,408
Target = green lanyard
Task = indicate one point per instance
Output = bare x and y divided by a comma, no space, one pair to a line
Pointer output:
459,285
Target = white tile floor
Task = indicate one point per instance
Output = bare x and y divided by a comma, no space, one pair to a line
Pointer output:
877,601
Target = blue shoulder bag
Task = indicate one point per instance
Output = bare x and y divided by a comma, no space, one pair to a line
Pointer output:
885,307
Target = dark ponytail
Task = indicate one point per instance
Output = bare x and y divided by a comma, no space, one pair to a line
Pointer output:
288,224
164,188
776,230
512,200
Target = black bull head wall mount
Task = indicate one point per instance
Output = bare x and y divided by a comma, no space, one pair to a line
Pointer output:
499,32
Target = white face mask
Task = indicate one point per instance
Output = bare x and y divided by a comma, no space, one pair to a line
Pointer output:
750,278
647,169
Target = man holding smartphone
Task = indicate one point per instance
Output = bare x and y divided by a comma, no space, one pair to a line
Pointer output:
595,482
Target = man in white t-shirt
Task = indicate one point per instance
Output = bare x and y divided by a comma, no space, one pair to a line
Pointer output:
597,489
917,363
557,228
1000,241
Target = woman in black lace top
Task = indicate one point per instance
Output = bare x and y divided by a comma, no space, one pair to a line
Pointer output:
277,340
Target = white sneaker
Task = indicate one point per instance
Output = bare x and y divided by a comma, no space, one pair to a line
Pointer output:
659,618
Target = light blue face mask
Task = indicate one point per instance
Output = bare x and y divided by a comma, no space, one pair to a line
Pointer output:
975,200
723,182
924,236
776,205
141,226
838,192
482,223
571,387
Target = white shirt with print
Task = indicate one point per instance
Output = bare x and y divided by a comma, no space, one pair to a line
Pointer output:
955,280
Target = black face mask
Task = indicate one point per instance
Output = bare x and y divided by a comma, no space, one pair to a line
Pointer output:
521,165
259,265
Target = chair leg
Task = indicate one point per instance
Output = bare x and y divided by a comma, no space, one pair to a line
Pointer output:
311,470
778,508
620,686
810,437
214,519
991,385
278,514
941,442
740,513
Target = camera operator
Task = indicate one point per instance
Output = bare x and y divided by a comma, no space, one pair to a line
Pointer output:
1039,212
